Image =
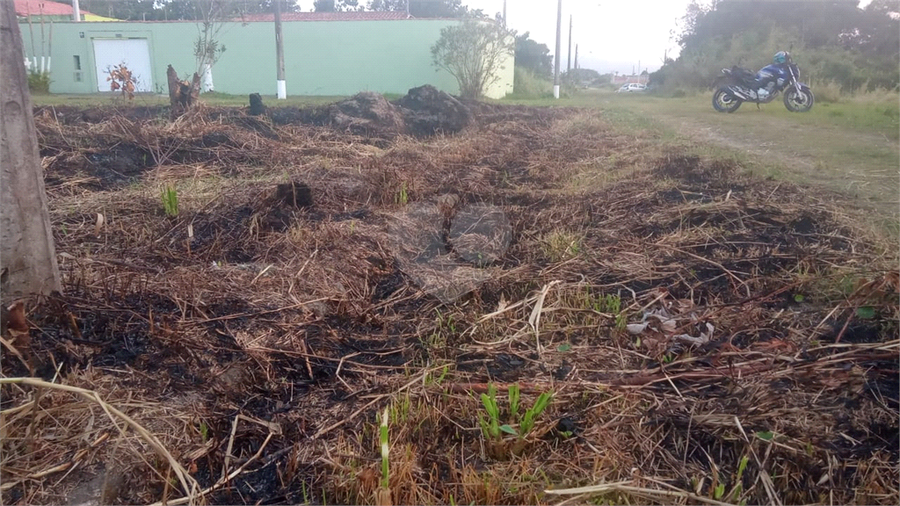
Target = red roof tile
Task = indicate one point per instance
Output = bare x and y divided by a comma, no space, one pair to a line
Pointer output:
328,16
45,7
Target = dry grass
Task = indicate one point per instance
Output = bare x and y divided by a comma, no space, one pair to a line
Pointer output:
258,342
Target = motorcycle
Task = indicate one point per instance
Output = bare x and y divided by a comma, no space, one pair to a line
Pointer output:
738,85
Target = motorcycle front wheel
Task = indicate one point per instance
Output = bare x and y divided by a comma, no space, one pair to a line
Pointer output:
798,100
725,101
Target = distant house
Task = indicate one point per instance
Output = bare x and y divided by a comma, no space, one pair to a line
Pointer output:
44,10
339,53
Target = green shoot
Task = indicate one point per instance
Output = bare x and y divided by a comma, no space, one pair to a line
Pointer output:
170,201
491,427
514,400
540,405
385,450
402,195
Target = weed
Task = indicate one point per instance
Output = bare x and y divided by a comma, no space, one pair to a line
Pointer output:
170,201
39,82
491,427
561,245
385,450
383,495
402,195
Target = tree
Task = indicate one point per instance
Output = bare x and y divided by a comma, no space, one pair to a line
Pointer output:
473,52
173,10
425,8
533,56
212,15
335,5
26,243
582,77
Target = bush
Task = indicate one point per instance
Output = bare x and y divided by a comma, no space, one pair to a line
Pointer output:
39,82
528,85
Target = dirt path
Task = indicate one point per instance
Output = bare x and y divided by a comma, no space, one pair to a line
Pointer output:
860,164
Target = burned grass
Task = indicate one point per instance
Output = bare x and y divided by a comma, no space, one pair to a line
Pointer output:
707,336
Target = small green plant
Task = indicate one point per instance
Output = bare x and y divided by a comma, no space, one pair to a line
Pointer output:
385,450
39,82
204,431
170,201
738,484
403,195
561,245
491,427
383,494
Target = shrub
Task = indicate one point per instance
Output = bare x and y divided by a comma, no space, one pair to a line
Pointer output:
39,82
527,85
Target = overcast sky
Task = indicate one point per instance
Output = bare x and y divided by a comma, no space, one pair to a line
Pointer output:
612,35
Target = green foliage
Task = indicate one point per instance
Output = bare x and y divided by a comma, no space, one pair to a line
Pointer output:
385,450
425,8
39,82
866,312
491,427
833,42
402,197
533,57
473,52
335,5
170,201
179,10
527,85
582,77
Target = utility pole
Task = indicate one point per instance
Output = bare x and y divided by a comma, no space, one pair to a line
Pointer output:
558,35
504,13
576,56
279,52
76,12
569,52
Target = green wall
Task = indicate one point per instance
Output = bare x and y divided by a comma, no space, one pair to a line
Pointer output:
321,57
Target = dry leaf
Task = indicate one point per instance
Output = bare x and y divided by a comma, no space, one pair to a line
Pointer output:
16,318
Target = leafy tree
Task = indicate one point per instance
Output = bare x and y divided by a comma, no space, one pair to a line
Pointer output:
533,56
335,5
582,77
157,10
833,40
473,52
424,8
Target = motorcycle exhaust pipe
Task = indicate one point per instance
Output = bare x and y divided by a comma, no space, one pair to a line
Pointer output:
740,94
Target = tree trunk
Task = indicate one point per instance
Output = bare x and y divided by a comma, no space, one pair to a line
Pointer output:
182,94
27,254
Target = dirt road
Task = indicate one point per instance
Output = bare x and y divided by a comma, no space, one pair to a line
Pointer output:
813,149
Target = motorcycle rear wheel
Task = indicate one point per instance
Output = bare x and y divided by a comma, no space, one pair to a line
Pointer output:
798,100
724,100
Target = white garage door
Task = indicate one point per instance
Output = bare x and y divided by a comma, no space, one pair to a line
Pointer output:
134,53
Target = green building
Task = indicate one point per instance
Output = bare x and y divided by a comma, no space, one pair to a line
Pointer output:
324,54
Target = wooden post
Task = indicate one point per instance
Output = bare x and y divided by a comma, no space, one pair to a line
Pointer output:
27,251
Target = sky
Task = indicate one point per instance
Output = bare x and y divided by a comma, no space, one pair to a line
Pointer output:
621,36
